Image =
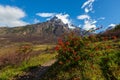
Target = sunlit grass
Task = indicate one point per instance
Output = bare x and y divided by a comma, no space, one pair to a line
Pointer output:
42,47
38,60
10,71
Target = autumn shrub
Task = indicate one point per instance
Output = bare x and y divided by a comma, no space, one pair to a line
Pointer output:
73,50
87,51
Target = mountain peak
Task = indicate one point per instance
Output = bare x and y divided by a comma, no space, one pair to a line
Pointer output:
55,20
58,20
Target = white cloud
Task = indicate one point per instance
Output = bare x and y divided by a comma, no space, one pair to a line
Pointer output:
64,17
86,10
88,5
89,24
82,17
88,21
45,14
36,20
112,25
79,25
11,16
94,21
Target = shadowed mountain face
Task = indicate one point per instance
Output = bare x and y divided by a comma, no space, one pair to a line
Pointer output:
112,31
44,32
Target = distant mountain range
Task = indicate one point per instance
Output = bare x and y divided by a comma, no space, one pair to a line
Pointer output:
47,31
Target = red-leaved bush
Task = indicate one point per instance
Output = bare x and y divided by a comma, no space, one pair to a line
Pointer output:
72,49
87,51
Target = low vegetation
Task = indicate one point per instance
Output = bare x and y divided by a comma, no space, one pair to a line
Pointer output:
22,57
86,58
89,57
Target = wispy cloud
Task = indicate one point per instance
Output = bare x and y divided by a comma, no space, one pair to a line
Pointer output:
89,24
88,21
82,17
45,14
112,25
88,5
11,16
64,17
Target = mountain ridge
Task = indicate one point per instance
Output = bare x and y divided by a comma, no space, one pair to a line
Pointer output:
45,31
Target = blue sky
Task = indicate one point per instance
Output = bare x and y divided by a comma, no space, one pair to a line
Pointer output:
82,13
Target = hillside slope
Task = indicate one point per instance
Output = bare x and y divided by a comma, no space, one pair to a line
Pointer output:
44,32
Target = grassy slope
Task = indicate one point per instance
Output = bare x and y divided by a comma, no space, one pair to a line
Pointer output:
9,71
91,71
57,72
